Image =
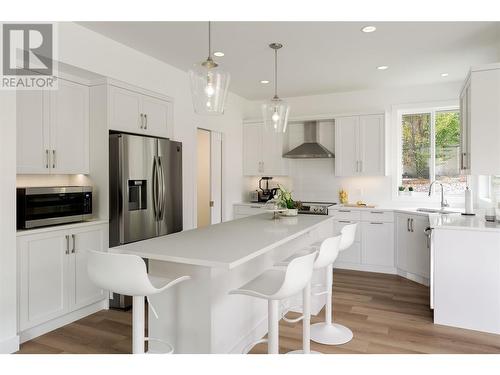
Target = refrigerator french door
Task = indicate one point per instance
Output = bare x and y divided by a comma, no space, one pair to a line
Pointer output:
145,190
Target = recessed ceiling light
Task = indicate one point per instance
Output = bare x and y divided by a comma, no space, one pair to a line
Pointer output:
219,54
444,74
264,81
382,67
368,29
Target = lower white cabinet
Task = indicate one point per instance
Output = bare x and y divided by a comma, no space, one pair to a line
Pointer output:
378,243
412,252
373,248
52,272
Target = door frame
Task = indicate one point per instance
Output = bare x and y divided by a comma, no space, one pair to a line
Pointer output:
212,172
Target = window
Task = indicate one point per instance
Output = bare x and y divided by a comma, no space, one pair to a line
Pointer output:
430,150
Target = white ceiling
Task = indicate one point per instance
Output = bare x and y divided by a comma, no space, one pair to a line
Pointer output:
318,57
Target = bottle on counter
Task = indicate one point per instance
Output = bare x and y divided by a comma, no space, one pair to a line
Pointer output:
469,209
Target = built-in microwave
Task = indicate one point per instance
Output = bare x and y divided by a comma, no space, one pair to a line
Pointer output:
42,206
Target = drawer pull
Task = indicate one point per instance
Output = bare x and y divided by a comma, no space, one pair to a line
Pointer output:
376,212
345,221
376,222
344,210
255,206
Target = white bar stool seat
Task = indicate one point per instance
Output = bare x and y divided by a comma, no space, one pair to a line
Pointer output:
126,274
328,332
328,251
275,285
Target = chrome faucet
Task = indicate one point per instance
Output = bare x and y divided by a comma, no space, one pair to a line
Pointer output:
444,203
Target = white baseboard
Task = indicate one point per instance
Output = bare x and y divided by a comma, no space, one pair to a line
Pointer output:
365,268
411,276
10,345
53,324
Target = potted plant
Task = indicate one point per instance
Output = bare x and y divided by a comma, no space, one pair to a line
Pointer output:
410,190
401,190
285,200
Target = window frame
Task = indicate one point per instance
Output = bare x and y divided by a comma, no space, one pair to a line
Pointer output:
419,108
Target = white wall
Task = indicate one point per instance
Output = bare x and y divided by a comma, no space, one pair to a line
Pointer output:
88,50
314,179
9,341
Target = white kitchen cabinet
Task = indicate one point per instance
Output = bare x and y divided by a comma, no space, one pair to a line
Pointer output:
69,128
480,121
33,134
378,243
465,128
43,278
360,146
412,252
84,292
351,255
53,130
52,273
263,151
373,247
134,112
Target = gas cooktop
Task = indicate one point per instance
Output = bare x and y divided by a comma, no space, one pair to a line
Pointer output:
315,208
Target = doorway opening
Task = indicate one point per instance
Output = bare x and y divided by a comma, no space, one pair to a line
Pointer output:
209,177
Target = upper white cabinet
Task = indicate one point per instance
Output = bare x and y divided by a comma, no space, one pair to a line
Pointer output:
263,152
134,112
360,146
53,130
52,274
480,121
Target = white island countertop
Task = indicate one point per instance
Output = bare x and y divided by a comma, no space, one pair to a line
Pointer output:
460,222
226,245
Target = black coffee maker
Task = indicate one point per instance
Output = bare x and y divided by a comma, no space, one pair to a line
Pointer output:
265,193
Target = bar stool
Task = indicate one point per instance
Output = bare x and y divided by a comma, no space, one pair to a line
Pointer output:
126,274
275,285
328,332
327,254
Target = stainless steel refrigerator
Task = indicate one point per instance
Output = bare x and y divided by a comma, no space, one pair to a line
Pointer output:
145,190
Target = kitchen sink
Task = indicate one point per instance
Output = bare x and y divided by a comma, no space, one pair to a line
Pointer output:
437,211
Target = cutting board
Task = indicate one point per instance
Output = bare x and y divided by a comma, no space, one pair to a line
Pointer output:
358,206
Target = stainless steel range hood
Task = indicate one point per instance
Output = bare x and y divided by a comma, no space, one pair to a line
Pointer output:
311,148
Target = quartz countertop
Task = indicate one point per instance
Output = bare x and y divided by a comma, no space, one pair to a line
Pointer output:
227,244
460,222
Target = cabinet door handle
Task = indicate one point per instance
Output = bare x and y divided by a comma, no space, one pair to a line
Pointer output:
145,121
73,248
67,245
53,158
411,224
47,159
142,121
361,166
408,224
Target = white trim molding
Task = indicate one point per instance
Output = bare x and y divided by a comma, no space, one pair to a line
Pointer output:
11,345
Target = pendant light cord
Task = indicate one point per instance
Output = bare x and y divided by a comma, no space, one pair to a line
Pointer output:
209,40
275,73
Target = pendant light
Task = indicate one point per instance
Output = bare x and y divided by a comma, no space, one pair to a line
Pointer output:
209,84
276,110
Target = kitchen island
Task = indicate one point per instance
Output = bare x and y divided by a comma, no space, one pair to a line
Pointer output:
199,316
466,272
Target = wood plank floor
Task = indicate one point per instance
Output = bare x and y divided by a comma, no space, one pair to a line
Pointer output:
387,314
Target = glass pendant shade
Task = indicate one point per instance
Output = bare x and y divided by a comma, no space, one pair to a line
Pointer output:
275,113
209,86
